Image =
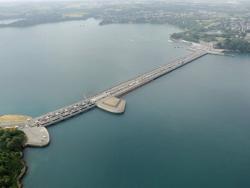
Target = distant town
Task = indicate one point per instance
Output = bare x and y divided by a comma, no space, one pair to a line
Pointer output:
227,26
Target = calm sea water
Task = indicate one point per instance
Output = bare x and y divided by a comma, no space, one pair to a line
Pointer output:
187,129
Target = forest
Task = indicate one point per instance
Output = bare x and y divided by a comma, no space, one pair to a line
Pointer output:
11,163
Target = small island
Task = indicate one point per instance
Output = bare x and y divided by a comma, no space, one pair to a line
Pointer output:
12,166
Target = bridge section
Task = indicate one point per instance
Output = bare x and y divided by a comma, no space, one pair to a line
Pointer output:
116,91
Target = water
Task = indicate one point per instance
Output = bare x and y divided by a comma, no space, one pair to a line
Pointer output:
187,129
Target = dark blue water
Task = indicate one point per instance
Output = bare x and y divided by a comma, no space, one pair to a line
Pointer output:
189,128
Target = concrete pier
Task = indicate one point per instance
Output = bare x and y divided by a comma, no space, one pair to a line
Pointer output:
112,104
36,136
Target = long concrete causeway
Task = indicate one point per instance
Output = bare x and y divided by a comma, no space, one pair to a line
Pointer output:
35,129
116,91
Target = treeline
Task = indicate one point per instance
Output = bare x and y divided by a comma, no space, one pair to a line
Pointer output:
40,19
11,146
235,44
193,36
186,36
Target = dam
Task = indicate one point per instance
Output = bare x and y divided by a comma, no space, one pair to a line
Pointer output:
107,100
116,91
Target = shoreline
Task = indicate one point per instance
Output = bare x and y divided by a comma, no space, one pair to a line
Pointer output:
22,173
11,123
220,50
12,152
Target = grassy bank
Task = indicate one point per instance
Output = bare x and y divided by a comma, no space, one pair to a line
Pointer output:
11,163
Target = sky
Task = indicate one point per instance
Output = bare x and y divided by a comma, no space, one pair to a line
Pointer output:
222,1
101,0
